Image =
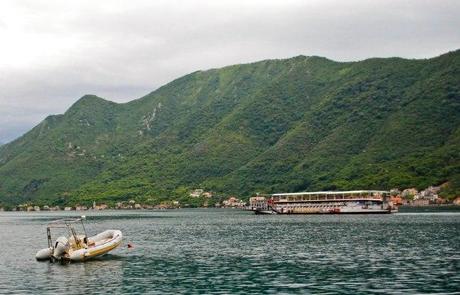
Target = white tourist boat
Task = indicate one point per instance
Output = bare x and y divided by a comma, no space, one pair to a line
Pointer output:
77,247
328,202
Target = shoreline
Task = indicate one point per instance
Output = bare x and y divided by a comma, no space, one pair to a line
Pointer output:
402,209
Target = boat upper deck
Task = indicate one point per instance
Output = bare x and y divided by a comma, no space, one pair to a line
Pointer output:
322,196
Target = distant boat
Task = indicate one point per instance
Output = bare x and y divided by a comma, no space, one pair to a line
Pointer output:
77,247
266,211
326,202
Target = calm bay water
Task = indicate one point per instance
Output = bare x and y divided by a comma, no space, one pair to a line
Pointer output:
232,251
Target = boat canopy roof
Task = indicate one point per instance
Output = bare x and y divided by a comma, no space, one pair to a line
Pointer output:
333,193
66,221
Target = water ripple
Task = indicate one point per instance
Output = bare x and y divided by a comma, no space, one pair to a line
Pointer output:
229,251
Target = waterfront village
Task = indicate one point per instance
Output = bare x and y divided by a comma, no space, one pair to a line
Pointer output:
407,197
205,198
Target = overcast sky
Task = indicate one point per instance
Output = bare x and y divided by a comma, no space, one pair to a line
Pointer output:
53,52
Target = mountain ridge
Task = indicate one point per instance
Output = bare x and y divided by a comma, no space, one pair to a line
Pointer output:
273,125
90,95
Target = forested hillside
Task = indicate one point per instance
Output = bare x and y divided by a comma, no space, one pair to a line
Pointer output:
305,123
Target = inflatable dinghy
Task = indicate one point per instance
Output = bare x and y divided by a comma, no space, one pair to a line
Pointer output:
77,247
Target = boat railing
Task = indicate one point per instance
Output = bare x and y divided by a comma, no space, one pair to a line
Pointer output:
68,224
329,198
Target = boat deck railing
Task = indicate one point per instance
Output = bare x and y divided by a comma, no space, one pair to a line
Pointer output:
330,196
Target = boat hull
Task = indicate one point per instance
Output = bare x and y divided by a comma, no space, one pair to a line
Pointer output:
264,212
341,213
110,239
44,254
99,245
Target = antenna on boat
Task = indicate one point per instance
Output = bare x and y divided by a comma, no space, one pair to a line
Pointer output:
83,217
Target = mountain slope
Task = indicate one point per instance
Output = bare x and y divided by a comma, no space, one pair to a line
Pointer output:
304,123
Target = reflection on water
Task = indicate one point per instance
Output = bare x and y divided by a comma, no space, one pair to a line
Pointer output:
230,251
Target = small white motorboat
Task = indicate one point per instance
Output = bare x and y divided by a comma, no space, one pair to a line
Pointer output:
77,247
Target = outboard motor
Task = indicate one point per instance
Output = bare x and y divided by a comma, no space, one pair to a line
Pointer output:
61,247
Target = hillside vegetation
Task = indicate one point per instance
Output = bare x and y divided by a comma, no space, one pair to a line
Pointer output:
305,123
